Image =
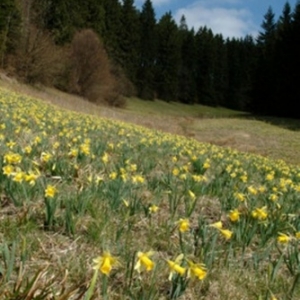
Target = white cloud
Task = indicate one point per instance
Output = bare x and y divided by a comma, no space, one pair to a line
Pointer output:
216,15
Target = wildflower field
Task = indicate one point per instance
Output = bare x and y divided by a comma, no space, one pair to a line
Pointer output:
92,208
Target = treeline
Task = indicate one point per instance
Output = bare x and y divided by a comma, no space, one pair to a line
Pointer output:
128,51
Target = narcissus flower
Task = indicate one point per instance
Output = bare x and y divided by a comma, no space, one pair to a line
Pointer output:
8,170
234,215
283,238
45,157
12,158
239,196
105,263
184,225
50,191
153,208
104,158
196,270
217,225
19,176
175,266
144,261
260,213
226,233
192,195
252,190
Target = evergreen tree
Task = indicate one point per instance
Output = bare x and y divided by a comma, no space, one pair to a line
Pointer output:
265,79
186,72
241,57
205,64
289,94
148,45
112,28
61,18
168,59
268,25
129,39
220,71
285,19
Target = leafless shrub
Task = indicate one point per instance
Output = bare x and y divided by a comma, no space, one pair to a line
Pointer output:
38,59
90,72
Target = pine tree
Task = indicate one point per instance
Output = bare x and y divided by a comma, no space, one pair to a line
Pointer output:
241,57
186,73
168,59
269,28
112,28
205,64
286,18
148,46
220,71
129,39
265,84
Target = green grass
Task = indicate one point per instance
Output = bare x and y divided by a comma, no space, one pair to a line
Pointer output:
175,109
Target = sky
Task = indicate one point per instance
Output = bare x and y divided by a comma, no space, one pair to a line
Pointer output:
232,18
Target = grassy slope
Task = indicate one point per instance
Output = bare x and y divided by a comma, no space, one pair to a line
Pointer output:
95,229
268,137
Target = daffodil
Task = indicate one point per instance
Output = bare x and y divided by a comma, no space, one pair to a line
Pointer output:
31,178
226,233
113,175
45,156
19,176
234,215
105,263
50,191
153,208
217,225
252,190
260,213
283,238
175,266
183,225
8,170
196,270
240,196
104,158
192,195
144,261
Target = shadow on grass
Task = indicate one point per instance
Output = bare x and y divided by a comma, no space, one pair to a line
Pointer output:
286,123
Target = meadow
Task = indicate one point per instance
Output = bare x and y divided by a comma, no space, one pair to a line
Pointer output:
96,208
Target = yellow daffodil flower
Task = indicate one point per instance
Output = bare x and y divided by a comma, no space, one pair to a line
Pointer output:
105,263
196,270
8,170
144,261
226,233
192,195
175,266
234,215
217,225
50,191
260,213
153,208
184,225
283,238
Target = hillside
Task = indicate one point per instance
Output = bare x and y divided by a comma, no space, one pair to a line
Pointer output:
99,208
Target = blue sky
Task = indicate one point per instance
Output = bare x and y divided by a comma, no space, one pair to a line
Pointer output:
232,18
